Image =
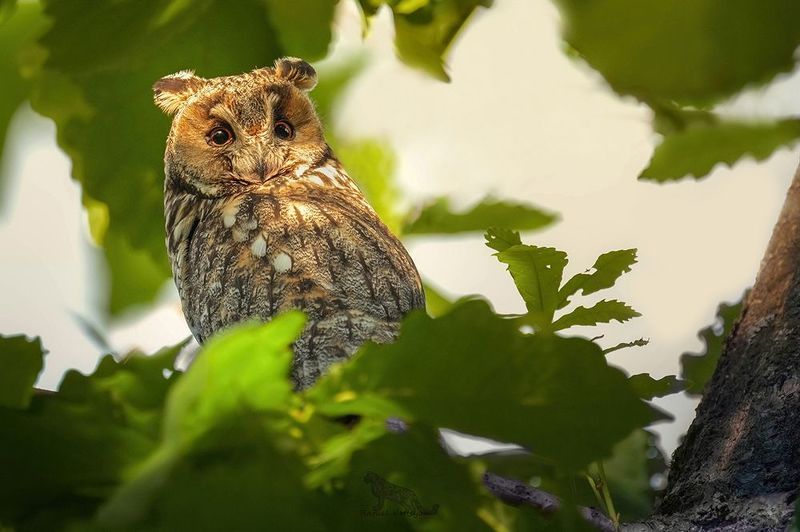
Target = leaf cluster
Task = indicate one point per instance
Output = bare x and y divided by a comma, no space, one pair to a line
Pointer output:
138,445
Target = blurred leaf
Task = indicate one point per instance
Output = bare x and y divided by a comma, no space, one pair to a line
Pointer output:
641,342
21,360
629,470
67,451
425,29
241,371
372,164
303,27
136,277
691,52
562,387
102,60
602,312
607,269
501,239
445,493
333,83
697,368
537,273
695,150
648,388
438,217
245,367
19,27
435,302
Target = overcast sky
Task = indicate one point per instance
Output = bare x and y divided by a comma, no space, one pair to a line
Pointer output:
519,121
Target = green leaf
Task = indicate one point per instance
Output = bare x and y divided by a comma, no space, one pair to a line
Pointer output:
19,27
607,269
136,275
240,372
333,83
446,493
436,303
438,217
648,388
697,368
695,150
537,272
602,312
691,52
245,367
562,387
501,239
372,164
21,360
424,35
633,462
64,454
303,27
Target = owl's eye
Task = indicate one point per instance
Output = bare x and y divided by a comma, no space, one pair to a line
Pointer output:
283,130
220,136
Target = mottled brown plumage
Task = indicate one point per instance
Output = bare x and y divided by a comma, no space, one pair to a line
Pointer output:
261,218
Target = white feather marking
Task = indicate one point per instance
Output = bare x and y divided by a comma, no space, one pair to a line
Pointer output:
259,246
282,262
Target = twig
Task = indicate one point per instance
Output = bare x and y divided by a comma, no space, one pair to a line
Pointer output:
518,493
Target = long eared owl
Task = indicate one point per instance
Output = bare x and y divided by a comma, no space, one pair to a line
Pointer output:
262,218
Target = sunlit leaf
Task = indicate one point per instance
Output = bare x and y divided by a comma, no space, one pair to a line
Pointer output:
501,239
438,217
21,360
436,303
602,312
244,368
695,51
697,368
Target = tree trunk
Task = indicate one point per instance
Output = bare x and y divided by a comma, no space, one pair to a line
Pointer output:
739,466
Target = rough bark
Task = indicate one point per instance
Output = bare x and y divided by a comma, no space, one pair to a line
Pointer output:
739,466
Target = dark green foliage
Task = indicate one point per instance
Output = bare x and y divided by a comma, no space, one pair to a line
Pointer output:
697,368
21,360
648,388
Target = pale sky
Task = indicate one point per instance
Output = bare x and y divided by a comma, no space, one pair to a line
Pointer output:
520,121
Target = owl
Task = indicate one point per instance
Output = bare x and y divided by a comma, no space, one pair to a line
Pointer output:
261,218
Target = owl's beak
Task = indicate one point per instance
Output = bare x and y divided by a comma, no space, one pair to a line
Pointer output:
264,173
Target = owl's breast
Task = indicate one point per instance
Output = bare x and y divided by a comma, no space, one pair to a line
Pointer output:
322,251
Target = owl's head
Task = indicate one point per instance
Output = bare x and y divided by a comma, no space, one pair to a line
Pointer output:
238,131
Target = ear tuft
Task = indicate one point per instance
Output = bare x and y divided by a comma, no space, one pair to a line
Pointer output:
296,71
171,92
